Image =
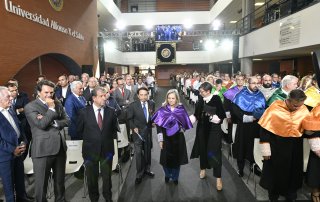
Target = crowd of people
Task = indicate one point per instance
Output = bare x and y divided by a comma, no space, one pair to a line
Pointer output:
281,112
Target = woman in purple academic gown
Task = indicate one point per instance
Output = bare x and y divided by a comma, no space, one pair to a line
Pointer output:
172,120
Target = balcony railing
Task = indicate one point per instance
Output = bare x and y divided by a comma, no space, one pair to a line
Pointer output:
271,11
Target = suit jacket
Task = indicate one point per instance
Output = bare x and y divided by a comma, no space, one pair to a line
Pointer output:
8,137
58,94
46,138
136,115
121,100
72,107
21,101
87,95
97,143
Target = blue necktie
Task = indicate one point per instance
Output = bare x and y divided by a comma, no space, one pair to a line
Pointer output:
145,111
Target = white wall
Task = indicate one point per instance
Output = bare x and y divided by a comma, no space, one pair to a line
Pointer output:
112,8
218,8
158,18
266,39
183,57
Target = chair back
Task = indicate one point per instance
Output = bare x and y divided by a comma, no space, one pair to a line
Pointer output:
74,156
115,156
257,155
122,136
306,153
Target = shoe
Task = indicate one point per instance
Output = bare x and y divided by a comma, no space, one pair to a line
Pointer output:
219,184
176,182
138,180
240,173
24,200
149,173
166,179
202,174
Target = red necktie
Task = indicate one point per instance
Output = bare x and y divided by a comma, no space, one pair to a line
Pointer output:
99,119
122,92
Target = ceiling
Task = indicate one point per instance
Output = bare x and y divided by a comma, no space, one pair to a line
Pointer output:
233,12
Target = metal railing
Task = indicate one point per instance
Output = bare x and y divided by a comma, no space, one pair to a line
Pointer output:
271,11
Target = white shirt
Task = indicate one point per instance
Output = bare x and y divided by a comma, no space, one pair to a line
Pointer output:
128,87
146,109
95,109
9,117
64,91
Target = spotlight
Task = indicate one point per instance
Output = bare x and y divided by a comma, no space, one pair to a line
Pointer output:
216,24
120,25
188,24
110,45
227,44
209,45
148,25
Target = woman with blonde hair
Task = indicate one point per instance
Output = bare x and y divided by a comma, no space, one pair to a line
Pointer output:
172,120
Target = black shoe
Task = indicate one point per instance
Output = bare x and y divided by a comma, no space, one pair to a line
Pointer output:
24,200
166,179
138,180
149,173
240,173
175,182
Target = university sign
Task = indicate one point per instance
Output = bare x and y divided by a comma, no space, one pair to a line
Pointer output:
38,18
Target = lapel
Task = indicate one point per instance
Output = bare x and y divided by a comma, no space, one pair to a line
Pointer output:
6,124
43,107
106,116
92,116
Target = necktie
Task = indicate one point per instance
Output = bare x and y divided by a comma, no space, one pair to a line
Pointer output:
99,119
145,111
82,100
122,92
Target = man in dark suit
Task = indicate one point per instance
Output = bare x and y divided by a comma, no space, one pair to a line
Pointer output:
97,125
73,104
19,101
87,93
47,117
11,161
63,89
121,94
139,115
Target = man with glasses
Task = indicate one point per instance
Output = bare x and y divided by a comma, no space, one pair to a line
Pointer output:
282,146
266,87
229,96
248,106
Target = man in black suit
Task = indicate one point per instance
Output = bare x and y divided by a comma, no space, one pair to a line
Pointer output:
19,101
97,125
63,89
87,93
139,115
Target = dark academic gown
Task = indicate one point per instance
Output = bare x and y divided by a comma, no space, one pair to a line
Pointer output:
245,134
174,152
283,173
208,135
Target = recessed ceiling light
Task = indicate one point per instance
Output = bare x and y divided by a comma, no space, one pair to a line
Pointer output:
233,21
257,59
259,4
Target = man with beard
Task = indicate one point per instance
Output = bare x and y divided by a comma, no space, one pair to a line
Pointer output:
289,83
266,89
248,106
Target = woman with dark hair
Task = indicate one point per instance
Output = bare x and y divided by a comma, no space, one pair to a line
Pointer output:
210,113
172,120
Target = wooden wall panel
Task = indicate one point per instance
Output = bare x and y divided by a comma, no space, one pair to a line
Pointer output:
28,75
23,40
182,5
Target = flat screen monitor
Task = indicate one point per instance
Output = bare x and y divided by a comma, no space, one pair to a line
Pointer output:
168,33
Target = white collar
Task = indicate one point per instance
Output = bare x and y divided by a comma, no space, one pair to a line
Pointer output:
207,99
